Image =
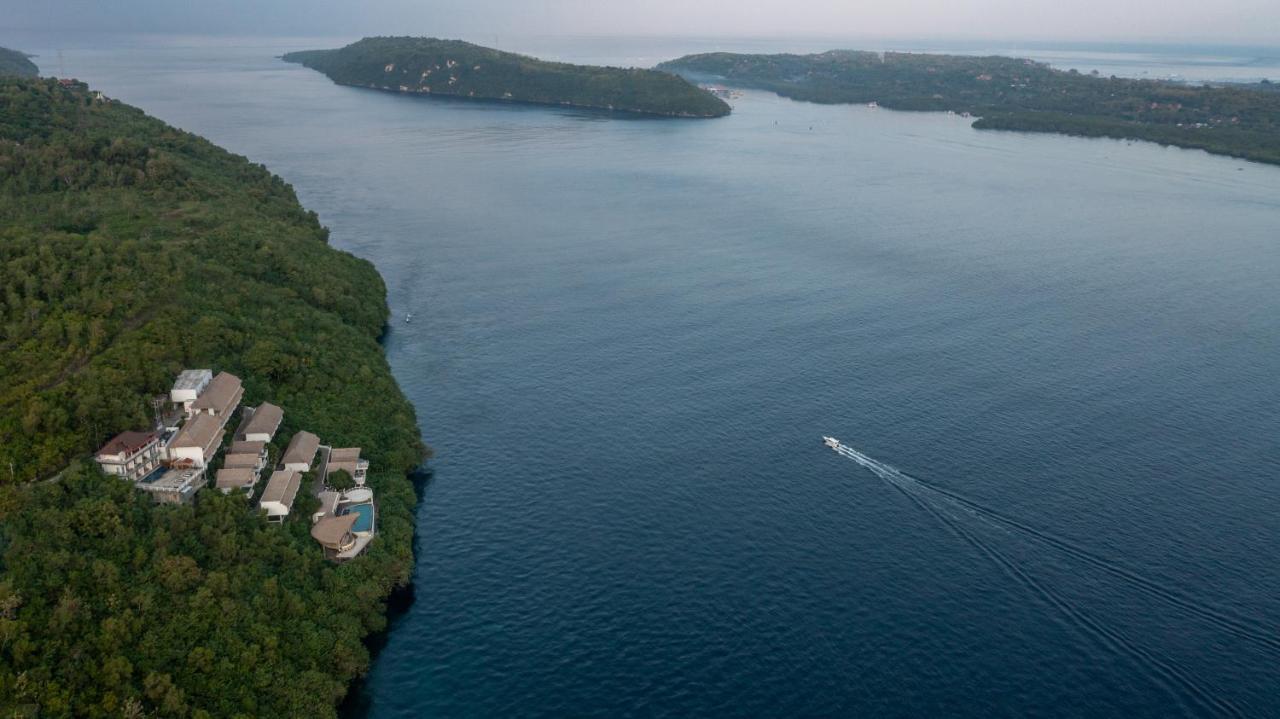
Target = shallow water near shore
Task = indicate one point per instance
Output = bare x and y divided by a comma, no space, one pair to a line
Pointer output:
628,337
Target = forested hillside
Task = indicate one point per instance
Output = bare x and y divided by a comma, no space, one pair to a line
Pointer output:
453,68
128,251
1014,94
17,63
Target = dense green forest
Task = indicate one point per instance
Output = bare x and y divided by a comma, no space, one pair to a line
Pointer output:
128,251
1012,94
17,63
459,69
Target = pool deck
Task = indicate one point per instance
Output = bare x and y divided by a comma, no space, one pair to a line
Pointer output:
365,523
363,534
357,549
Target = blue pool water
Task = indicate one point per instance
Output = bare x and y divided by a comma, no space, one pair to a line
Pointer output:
629,336
365,521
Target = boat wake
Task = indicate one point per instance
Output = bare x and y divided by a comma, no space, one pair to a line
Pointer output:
947,507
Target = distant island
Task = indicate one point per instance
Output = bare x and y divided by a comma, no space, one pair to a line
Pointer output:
1240,120
14,62
453,68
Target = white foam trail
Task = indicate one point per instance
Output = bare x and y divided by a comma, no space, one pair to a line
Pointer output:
1227,621
1161,670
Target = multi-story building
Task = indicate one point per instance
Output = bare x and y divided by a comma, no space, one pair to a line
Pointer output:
197,441
131,455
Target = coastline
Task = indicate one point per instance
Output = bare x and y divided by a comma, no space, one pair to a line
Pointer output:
255,288
356,703
1029,124
1039,125
1012,93
604,109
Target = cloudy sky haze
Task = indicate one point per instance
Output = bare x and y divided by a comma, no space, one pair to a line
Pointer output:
1243,21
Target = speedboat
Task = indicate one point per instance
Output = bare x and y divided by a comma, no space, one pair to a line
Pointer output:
831,442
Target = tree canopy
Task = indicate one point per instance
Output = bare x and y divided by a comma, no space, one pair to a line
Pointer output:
341,480
1015,94
460,69
128,251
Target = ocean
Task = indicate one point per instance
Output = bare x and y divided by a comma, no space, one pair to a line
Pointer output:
1053,361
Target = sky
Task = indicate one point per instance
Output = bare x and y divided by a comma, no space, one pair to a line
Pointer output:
1238,21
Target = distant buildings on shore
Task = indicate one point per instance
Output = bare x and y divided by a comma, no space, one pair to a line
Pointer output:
173,461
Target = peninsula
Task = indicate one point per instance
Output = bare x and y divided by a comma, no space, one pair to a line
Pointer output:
14,62
132,253
1240,120
453,68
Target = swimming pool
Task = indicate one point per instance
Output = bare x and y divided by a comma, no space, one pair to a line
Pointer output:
365,522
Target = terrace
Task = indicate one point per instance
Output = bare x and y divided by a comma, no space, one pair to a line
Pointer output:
176,485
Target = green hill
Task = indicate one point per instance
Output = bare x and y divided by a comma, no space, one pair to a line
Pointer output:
453,68
128,251
17,63
1014,94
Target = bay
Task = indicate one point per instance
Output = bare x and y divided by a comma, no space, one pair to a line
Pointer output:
629,335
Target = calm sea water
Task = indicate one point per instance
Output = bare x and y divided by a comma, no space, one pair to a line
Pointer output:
629,336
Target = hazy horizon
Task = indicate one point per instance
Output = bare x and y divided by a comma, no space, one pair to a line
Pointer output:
1242,22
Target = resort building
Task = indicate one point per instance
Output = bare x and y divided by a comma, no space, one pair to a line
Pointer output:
131,455
244,461
187,389
174,486
229,479
277,498
334,534
347,458
197,441
172,463
220,398
345,523
260,423
301,452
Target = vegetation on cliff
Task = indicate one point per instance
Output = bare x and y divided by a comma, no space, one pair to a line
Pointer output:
453,68
1013,94
128,251
13,62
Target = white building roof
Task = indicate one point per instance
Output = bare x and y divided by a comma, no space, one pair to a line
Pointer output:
192,379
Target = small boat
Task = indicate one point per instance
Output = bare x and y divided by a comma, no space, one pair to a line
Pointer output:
831,442
408,316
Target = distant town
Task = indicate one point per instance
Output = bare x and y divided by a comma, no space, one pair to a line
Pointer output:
174,459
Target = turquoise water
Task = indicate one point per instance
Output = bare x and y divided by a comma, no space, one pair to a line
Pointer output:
1054,360
365,521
